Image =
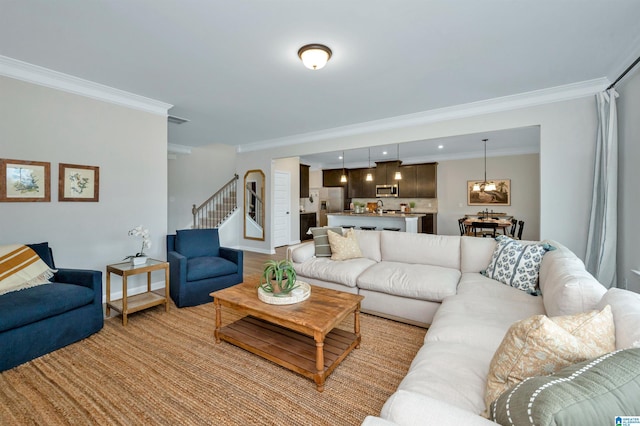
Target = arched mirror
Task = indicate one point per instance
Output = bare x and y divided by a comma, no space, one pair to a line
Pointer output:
254,205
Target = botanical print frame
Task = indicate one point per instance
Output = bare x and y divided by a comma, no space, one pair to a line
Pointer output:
78,183
500,197
25,181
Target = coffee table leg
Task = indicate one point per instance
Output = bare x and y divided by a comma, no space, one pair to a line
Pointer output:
216,303
356,324
319,379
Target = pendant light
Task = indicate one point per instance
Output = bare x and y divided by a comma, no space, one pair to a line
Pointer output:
484,185
398,175
369,177
343,178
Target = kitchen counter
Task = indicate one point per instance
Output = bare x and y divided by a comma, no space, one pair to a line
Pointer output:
406,222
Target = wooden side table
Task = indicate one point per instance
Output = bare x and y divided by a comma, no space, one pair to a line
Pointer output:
130,304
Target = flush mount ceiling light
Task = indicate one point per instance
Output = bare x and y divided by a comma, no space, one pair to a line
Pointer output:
485,185
314,56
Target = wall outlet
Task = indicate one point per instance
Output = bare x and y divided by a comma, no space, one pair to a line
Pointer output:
429,204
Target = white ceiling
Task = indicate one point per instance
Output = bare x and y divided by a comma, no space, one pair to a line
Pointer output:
231,66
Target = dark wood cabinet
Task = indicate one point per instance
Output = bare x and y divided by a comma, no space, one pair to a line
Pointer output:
407,187
358,186
385,172
426,180
331,178
304,181
307,220
428,224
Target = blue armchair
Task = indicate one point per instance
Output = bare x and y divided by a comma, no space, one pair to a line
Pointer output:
199,266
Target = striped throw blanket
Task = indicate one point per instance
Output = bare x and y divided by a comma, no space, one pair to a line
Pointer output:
21,267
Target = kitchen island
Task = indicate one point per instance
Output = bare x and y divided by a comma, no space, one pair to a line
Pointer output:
406,222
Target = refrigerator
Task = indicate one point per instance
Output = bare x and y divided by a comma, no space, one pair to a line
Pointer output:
329,200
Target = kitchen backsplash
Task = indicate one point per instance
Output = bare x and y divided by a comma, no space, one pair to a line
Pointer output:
423,205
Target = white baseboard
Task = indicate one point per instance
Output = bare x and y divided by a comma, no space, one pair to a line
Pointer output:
257,250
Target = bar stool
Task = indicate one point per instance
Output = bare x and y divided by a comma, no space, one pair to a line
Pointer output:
368,228
391,229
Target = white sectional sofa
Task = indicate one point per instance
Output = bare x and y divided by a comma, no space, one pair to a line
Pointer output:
436,280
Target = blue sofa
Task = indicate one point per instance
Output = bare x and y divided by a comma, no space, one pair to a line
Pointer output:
199,266
38,320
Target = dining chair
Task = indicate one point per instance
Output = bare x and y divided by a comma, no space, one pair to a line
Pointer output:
491,226
514,225
520,228
463,227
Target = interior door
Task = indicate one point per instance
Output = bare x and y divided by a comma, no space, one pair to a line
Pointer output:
281,208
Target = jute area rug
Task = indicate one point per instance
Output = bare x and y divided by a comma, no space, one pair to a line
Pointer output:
166,369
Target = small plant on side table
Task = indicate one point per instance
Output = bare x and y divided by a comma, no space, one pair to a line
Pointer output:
278,277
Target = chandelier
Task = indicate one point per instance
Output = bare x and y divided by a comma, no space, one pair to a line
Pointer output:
484,185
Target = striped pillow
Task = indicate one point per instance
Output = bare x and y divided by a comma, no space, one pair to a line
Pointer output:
21,267
321,240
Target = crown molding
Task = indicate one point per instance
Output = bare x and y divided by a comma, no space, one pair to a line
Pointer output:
35,74
505,103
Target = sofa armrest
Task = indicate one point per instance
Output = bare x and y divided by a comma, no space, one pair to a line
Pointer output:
83,277
233,255
414,409
177,266
299,253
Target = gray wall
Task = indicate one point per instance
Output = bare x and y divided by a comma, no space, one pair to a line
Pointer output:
129,146
628,181
195,177
524,172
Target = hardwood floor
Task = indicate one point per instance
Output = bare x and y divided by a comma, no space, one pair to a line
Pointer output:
253,262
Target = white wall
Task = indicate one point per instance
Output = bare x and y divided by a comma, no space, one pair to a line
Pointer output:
567,140
628,179
129,146
524,172
195,177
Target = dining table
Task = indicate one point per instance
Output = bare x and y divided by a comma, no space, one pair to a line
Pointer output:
502,224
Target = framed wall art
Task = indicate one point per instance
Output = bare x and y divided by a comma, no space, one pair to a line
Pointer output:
25,181
500,197
78,183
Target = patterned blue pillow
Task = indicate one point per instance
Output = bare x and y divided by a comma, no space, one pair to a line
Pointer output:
516,264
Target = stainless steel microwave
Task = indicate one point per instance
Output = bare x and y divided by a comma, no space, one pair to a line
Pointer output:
387,190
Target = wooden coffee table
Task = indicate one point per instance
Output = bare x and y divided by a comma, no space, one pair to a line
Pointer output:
301,337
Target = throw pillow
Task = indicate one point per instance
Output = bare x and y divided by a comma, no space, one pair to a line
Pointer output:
542,345
588,393
20,268
321,241
516,264
343,248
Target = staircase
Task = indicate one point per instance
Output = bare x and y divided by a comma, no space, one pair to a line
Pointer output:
218,208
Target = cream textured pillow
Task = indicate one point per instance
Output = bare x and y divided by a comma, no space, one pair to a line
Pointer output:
343,248
541,345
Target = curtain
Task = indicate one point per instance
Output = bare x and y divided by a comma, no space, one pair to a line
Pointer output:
603,223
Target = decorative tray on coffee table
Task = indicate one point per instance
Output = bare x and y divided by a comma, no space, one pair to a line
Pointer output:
297,295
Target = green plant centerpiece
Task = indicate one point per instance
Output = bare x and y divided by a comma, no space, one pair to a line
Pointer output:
278,277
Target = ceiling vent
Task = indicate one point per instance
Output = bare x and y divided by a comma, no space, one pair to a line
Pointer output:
176,120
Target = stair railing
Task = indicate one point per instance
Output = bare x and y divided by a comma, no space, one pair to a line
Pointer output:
213,212
256,214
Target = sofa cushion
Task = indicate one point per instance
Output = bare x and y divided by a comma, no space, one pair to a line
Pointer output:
475,253
516,264
474,317
200,268
36,303
625,306
323,268
425,249
321,240
344,247
588,393
567,288
198,242
369,242
543,345
424,282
